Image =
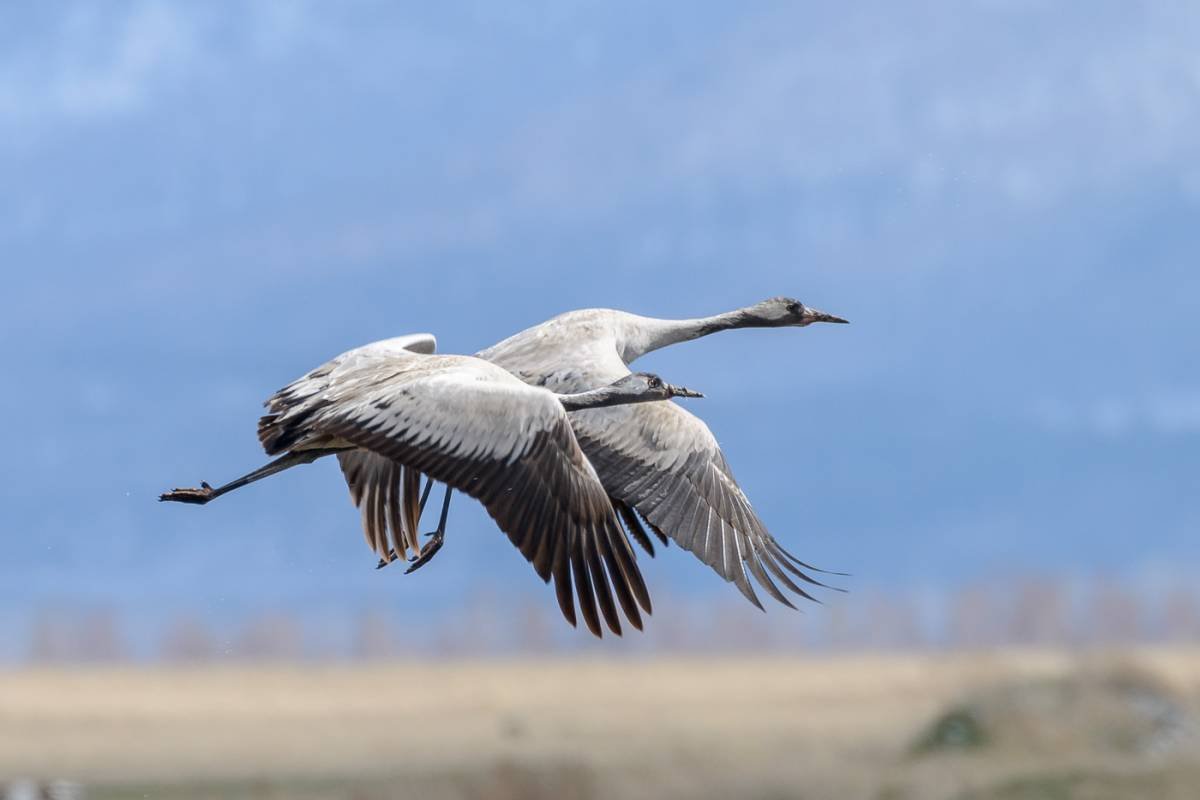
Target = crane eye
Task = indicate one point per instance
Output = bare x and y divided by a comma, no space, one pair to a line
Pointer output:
794,308
656,383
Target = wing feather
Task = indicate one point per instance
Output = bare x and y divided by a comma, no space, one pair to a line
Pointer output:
478,429
660,461
634,526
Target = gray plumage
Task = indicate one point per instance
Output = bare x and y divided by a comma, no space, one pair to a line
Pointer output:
659,460
392,413
555,460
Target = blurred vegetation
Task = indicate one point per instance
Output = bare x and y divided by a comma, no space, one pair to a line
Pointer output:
1015,611
1124,711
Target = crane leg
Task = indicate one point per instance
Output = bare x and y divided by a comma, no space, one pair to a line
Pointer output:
392,555
429,550
207,493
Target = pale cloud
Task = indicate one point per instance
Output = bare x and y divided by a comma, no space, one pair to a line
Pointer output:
1170,412
1024,105
1175,412
100,60
95,64
991,105
278,28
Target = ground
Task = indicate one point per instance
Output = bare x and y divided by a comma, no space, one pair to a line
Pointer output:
884,727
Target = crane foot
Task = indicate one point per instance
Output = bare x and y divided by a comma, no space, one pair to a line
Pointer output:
194,496
428,551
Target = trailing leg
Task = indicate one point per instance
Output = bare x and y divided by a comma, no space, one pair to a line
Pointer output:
438,537
206,493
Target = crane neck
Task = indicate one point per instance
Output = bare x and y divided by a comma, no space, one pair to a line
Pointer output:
602,397
646,334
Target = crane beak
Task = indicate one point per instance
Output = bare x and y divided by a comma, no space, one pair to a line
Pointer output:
682,391
811,315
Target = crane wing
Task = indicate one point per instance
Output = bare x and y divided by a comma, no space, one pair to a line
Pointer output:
381,489
476,428
664,462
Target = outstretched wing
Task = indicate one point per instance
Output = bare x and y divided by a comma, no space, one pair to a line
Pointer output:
381,489
476,428
336,370
665,463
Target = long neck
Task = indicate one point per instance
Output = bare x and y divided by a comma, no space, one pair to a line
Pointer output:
645,334
604,396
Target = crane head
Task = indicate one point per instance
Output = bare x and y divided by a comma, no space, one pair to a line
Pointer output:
651,387
788,312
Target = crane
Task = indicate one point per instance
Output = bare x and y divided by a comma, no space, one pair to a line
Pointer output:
477,428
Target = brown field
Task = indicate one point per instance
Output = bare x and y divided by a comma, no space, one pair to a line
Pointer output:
1053,725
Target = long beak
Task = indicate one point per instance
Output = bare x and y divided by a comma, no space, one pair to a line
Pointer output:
812,315
682,391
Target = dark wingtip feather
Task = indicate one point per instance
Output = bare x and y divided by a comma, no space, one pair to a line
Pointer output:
747,590
634,526
566,602
765,581
666,542
782,557
808,566
584,592
561,571
620,583
771,561
627,562
600,580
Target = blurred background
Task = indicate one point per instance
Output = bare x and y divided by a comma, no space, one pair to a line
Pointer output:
198,203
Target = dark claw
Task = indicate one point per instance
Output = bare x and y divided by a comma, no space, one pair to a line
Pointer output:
427,552
382,563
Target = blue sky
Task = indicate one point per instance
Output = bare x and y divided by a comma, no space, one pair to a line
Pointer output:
200,202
